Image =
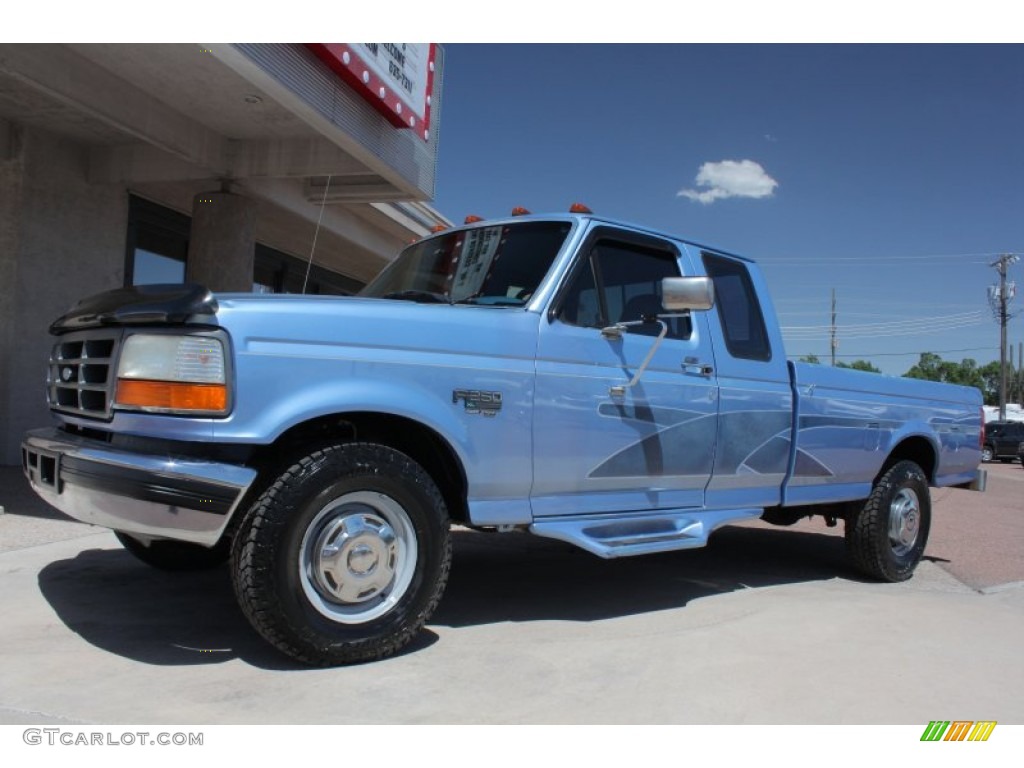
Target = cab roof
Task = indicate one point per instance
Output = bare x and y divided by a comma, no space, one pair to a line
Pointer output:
581,219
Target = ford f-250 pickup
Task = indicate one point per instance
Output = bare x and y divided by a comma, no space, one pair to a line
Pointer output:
595,382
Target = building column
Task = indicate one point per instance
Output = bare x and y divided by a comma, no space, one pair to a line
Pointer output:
61,239
222,241
10,215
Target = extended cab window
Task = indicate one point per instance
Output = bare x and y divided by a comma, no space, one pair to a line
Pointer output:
738,309
621,282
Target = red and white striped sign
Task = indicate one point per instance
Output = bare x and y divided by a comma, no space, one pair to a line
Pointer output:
395,78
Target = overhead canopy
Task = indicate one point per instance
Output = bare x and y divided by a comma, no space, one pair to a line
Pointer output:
270,121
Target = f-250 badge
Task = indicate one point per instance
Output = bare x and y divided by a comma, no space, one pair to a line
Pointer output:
478,401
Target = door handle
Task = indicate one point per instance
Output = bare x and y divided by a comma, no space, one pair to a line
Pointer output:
693,365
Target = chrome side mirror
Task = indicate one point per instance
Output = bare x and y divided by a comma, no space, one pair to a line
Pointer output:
680,294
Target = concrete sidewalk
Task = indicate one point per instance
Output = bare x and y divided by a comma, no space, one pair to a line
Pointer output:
764,626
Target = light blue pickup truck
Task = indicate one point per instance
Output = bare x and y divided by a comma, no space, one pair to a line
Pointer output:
587,380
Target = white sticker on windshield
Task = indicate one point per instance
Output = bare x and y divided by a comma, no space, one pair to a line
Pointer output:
475,261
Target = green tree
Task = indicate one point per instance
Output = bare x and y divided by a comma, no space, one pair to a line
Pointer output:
966,373
928,367
990,376
859,365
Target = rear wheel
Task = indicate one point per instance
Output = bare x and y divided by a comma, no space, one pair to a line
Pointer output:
170,555
345,556
887,537
986,453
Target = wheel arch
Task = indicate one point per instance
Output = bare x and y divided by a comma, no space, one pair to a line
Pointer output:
421,443
916,448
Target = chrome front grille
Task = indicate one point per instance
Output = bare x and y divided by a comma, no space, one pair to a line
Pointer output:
81,374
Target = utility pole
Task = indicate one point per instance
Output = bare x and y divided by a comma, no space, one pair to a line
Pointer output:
1010,369
999,296
1020,373
834,342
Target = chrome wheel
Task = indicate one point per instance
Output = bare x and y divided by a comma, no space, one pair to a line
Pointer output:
904,521
358,557
887,537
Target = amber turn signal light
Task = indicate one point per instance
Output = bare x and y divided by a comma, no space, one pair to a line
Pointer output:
171,396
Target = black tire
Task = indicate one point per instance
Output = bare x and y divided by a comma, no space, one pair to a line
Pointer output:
887,537
170,555
987,453
345,556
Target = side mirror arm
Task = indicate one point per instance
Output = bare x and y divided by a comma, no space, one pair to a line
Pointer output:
614,333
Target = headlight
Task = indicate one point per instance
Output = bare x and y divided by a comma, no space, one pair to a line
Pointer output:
172,374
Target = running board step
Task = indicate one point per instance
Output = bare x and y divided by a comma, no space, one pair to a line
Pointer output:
640,534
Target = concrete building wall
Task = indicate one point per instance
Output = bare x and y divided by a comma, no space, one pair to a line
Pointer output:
62,239
10,203
83,128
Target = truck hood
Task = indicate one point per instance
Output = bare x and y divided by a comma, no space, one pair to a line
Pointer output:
286,323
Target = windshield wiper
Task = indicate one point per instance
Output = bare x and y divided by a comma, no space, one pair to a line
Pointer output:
492,301
421,297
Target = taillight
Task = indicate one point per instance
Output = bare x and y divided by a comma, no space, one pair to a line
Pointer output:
981,432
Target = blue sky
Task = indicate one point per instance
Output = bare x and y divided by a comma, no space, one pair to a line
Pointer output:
894,174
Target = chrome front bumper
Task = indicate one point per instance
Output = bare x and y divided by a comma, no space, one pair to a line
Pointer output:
157,497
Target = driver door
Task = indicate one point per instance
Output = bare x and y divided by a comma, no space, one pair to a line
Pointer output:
650,447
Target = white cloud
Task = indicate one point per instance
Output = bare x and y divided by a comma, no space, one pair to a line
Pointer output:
730,178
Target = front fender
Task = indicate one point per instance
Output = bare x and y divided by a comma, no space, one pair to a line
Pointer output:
494,446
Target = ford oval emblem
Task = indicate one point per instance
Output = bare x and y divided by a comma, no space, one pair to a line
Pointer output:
66,374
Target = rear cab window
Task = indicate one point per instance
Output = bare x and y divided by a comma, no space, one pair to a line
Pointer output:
743,326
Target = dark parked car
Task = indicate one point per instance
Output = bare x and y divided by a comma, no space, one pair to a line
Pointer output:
1002,440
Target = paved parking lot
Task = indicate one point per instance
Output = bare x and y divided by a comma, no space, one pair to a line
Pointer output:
766,625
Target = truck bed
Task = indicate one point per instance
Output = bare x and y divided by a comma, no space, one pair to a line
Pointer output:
847,423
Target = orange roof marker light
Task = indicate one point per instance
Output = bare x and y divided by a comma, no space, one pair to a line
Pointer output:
438,228
520,211
579,208
473,219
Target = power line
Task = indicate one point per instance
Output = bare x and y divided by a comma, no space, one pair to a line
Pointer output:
825,260
955,317
904,328
823,303
865,355
896,317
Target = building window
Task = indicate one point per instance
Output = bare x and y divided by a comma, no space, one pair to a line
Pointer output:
277,272
157,248
157,252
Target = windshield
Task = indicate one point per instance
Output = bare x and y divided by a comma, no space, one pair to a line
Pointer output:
499,266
